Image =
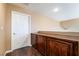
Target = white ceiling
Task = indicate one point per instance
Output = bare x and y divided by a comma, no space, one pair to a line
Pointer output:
66,10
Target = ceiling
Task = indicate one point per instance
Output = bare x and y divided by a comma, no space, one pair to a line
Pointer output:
57,11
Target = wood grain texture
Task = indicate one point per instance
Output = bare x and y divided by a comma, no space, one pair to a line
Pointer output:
26,51
58,48
41,44
52,46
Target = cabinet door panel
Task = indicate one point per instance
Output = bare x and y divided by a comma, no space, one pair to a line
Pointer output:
58,48
41,44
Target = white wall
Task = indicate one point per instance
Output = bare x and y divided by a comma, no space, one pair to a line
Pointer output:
71,25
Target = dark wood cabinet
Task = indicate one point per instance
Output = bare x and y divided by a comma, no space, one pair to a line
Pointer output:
33,40
41,44
51,46
58,48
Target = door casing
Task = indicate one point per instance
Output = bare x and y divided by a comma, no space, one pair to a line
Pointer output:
29,27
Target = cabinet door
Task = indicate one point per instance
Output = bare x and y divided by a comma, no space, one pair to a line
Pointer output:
58,48
33,40
41,44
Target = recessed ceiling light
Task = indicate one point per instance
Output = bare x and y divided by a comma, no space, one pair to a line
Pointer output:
55,9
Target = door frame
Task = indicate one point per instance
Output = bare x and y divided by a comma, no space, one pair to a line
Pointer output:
29,27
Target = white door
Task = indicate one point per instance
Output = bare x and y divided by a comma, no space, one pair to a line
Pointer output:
20,30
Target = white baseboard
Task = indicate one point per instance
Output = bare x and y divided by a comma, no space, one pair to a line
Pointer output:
29,45
7,52
12,50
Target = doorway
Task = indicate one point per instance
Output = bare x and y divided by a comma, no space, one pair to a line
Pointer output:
20,30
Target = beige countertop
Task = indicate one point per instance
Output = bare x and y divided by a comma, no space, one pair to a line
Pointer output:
60,35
